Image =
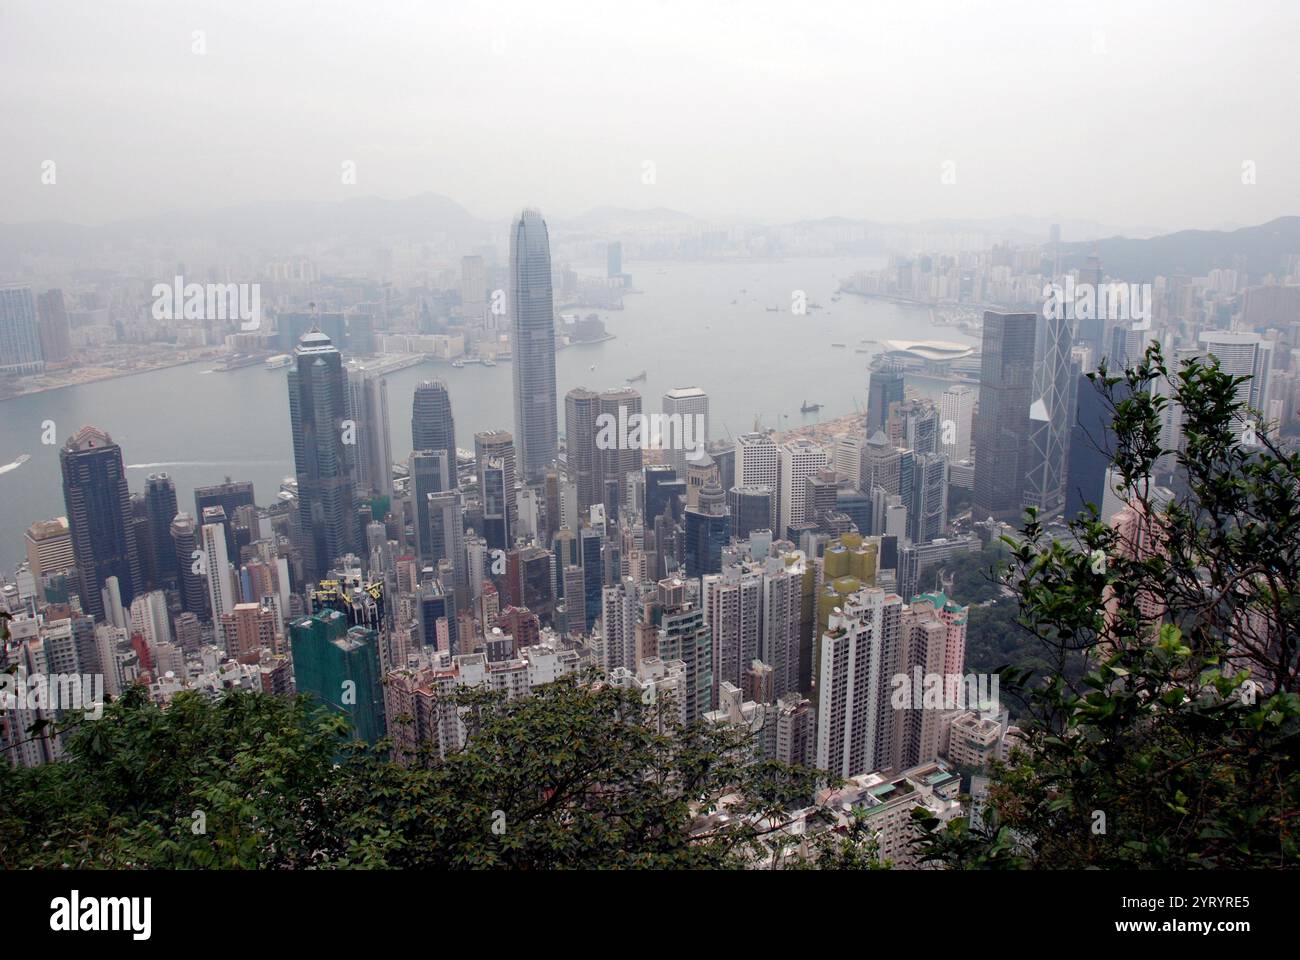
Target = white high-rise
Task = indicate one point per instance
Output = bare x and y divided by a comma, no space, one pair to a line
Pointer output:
733,610
1242,355
758,463
858,658
618,605
782,600
956,414
799,460
221,596
847,455
686,402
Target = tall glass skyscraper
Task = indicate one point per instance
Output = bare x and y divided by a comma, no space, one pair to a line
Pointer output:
99,517
432,425
160,497
1055,379
532,335
1002,425
317,408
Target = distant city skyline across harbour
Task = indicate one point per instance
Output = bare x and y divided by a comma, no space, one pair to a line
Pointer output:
683,330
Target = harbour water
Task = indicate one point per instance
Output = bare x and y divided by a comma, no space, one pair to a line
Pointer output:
706,324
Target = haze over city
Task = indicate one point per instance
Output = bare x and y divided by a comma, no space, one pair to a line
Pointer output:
1135,116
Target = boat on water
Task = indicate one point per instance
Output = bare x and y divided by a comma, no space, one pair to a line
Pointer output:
638,378
861,350
236,362
489,362
278,361
839,344
458,363
772,309
23,458
810,407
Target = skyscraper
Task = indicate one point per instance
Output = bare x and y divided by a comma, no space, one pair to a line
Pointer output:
56,335
1092,447
956,418
229,496
927,519
1049,415
1242,355
317,408
859,654
618,625
758,463
427,472
190,582
619,459
684,402
473,288
1002,423
212,538
708,530
532,336
581,408
160,498
684,635
799,460
99,517
884,388
374,454
20,334
750,508
340,666
733,609
494,451
432,424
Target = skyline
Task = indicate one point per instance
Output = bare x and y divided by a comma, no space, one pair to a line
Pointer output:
737,437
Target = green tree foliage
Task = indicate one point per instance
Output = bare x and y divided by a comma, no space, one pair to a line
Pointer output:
1178,747
576,775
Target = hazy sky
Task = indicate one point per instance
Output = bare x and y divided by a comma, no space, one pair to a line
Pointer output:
1130,113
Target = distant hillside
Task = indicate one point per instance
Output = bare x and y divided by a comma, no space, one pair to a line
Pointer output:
1257,250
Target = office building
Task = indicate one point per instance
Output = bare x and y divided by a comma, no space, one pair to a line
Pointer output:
884,389
98,503
494,452
432,425
318,405
1050,413
373,460
956,418
798,460
686,405
1002,424
532,340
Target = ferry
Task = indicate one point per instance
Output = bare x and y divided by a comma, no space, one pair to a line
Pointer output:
638,378
458,363
278,361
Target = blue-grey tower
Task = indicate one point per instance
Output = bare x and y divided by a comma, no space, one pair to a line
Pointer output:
532,335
